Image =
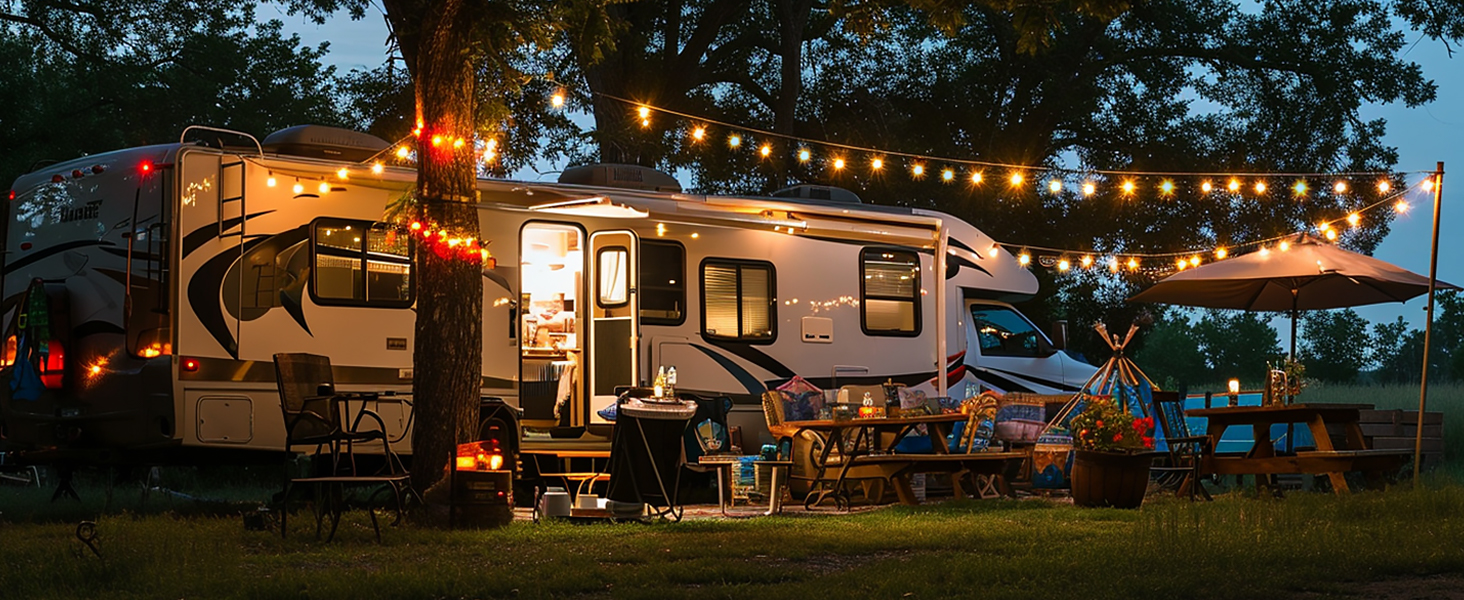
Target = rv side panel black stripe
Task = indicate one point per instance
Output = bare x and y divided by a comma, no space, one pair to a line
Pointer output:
960,244
752,384
50,251
1048,383
909,379
203,291
198,237
261,371
751,354
954,264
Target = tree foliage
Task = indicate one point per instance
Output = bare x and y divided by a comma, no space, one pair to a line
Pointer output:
1219,345
1334,345
93,76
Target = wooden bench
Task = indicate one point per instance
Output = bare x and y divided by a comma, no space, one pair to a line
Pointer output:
998,465
1375,463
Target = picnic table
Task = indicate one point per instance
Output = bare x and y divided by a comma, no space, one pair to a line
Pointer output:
1262,460
871,442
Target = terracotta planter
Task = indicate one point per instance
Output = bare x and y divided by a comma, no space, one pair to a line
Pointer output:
1110,479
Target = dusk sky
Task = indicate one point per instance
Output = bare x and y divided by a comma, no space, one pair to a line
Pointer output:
1423,136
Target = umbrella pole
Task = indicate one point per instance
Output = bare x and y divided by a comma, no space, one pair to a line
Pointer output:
1433,269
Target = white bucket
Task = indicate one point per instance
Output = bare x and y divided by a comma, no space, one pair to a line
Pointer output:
587,501
554,503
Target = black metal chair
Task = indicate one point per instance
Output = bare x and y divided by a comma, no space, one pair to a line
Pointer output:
313,413
1181,469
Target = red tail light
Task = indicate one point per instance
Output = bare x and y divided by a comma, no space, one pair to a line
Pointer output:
57,178
12,194
146,167
190,364
53,366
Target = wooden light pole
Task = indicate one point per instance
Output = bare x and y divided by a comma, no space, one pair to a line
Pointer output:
1433,270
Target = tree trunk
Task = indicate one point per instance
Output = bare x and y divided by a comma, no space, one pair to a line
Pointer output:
448,352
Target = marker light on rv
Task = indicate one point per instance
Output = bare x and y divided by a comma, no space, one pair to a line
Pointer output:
190,364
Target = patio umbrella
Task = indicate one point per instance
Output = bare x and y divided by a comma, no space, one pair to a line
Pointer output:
1310,275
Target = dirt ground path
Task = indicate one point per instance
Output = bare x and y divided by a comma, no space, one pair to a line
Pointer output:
1434,587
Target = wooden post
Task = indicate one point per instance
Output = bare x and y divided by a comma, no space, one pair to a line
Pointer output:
1433,270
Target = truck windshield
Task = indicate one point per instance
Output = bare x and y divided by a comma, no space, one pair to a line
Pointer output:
1002,331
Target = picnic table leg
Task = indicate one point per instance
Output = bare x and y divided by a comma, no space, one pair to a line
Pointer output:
1324,443
1263,448
903,489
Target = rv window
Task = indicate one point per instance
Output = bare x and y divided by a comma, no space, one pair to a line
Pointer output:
737,301
889,291
358,263
613,290
662,283
1001,331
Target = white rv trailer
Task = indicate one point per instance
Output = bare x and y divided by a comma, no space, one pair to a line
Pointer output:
174,273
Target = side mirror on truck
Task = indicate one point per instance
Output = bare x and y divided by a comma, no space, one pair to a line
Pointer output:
1059,334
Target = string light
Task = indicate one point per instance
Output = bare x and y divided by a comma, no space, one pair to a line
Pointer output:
1221,253
804,155
1401,207
698,133
343,173
458,143
1300,188
1054,186
1089,189
1260,187
1181,264
947,175
1128,187
1384,186
402,152
876,164
1428,185
918,170
1024,259
1133,264
557,100
976,177
1354,219
1331,235
298,189
1194,260
1206,186
1340,187
270,182
1264,251
324,187
1284,246
1113,264
1233,186
377,168
1166,187
1087,261
766,150
734,141
1016,179
838,164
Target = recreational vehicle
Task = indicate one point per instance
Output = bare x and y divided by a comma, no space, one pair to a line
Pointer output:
146,290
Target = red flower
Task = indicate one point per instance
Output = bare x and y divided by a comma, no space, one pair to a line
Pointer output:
1148,442
1083,433
1139,425
1118,437
1099,423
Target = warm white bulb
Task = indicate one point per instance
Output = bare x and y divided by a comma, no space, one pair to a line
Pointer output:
734,141
644,112
324,187
298,189
557,100
1024,259
1260,187
402,152
1128,187
699,133
947,175
876,164
1089,189
377,168
1233,186
838,164
1016,179
918,170
1299,188
1428,185
1206,187
1063,265
976,177
1354,219
804,155
1284,246
1087,261
270,182
1054,186
343,173
1166,187
1340,187
1384,186
766,150
1221,253
1401,206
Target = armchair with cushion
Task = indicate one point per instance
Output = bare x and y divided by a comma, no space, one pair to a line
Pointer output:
312,412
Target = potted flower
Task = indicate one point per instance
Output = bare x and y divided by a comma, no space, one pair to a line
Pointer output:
1111,455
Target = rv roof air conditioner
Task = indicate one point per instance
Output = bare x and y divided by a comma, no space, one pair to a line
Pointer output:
319,141
634,177
819,192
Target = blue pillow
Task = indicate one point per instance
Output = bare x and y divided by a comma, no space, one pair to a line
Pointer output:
608,413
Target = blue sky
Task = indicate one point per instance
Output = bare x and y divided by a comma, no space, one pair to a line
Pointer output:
1424,136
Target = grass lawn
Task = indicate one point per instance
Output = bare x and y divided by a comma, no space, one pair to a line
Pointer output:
1306,545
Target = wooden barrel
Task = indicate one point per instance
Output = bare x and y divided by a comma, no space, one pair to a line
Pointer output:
1110,479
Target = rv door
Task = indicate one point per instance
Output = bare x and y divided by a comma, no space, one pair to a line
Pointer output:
614,329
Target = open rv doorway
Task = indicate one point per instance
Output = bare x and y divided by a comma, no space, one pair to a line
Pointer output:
551,357
614,323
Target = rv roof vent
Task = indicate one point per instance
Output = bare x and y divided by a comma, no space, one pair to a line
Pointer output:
819,192
319,141
633,177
